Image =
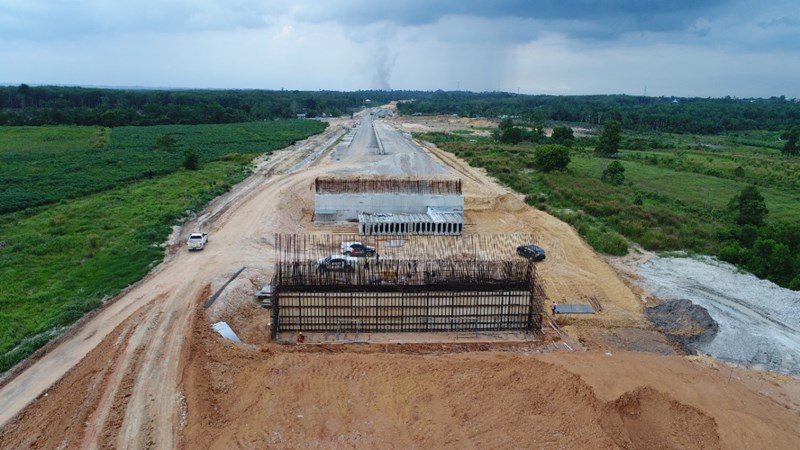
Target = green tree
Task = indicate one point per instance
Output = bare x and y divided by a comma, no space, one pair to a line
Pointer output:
551,157
771,260
511,135
749,207
609,139
613,174
503,127
191,160
733,253
506,124
563,136
790,136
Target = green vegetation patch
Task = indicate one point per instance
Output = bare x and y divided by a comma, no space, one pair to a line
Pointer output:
15,140
58,263
87,209
669,196
47,168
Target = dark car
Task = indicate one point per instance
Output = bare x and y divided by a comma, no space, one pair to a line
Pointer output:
357,249
337,263
532,252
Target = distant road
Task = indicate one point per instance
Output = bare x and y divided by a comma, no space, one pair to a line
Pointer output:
402,156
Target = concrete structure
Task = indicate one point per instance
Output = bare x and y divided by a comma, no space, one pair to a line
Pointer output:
392,206
436,221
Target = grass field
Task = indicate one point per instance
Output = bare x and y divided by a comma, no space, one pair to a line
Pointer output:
38,169
61,260
675,195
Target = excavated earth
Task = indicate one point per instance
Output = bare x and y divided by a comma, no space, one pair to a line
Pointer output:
687,324
147,371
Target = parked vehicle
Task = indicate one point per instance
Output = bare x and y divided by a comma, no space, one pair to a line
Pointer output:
197,241
357,249
337,263
532,252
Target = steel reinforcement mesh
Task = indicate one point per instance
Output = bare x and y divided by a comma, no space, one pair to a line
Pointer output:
477,283
406,185
405,311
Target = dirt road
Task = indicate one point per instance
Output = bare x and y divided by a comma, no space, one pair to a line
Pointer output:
147,372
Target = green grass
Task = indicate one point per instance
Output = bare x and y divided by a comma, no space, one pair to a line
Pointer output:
693,189
44,171
61,260
675,195
41,139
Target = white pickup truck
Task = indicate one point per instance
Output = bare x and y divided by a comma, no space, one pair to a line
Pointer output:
197,241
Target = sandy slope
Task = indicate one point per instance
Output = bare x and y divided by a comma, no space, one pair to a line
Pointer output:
147,372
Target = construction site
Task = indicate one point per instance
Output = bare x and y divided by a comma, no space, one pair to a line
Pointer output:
428,334
395,206
411,285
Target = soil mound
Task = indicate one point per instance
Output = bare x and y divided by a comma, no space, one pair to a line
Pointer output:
682,321
648,419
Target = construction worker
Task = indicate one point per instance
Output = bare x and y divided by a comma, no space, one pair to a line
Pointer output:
300,337
553,307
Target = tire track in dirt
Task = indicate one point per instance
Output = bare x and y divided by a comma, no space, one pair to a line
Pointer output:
154,404
98,422
115,413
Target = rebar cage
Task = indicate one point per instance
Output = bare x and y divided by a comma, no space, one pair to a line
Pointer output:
471,283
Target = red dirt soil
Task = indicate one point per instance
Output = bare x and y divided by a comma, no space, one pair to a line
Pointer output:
147,371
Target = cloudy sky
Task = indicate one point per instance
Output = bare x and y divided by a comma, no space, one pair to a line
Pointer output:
704,48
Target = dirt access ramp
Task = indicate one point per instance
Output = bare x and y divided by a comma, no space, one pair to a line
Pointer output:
288,396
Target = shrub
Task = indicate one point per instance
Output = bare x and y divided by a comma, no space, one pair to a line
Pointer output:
749,206
191,160
551,157
732,253
604,240
613,174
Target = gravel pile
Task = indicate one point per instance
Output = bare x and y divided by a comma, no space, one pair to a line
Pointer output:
682,321
759,322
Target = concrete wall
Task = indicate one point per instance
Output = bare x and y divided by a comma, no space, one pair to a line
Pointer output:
349,206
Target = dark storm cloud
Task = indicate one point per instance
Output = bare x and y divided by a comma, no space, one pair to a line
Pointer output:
577,18
41,20
678,47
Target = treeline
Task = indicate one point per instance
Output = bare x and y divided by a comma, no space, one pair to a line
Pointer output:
54,105
668,114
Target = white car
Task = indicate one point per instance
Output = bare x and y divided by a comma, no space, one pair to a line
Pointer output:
197,241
